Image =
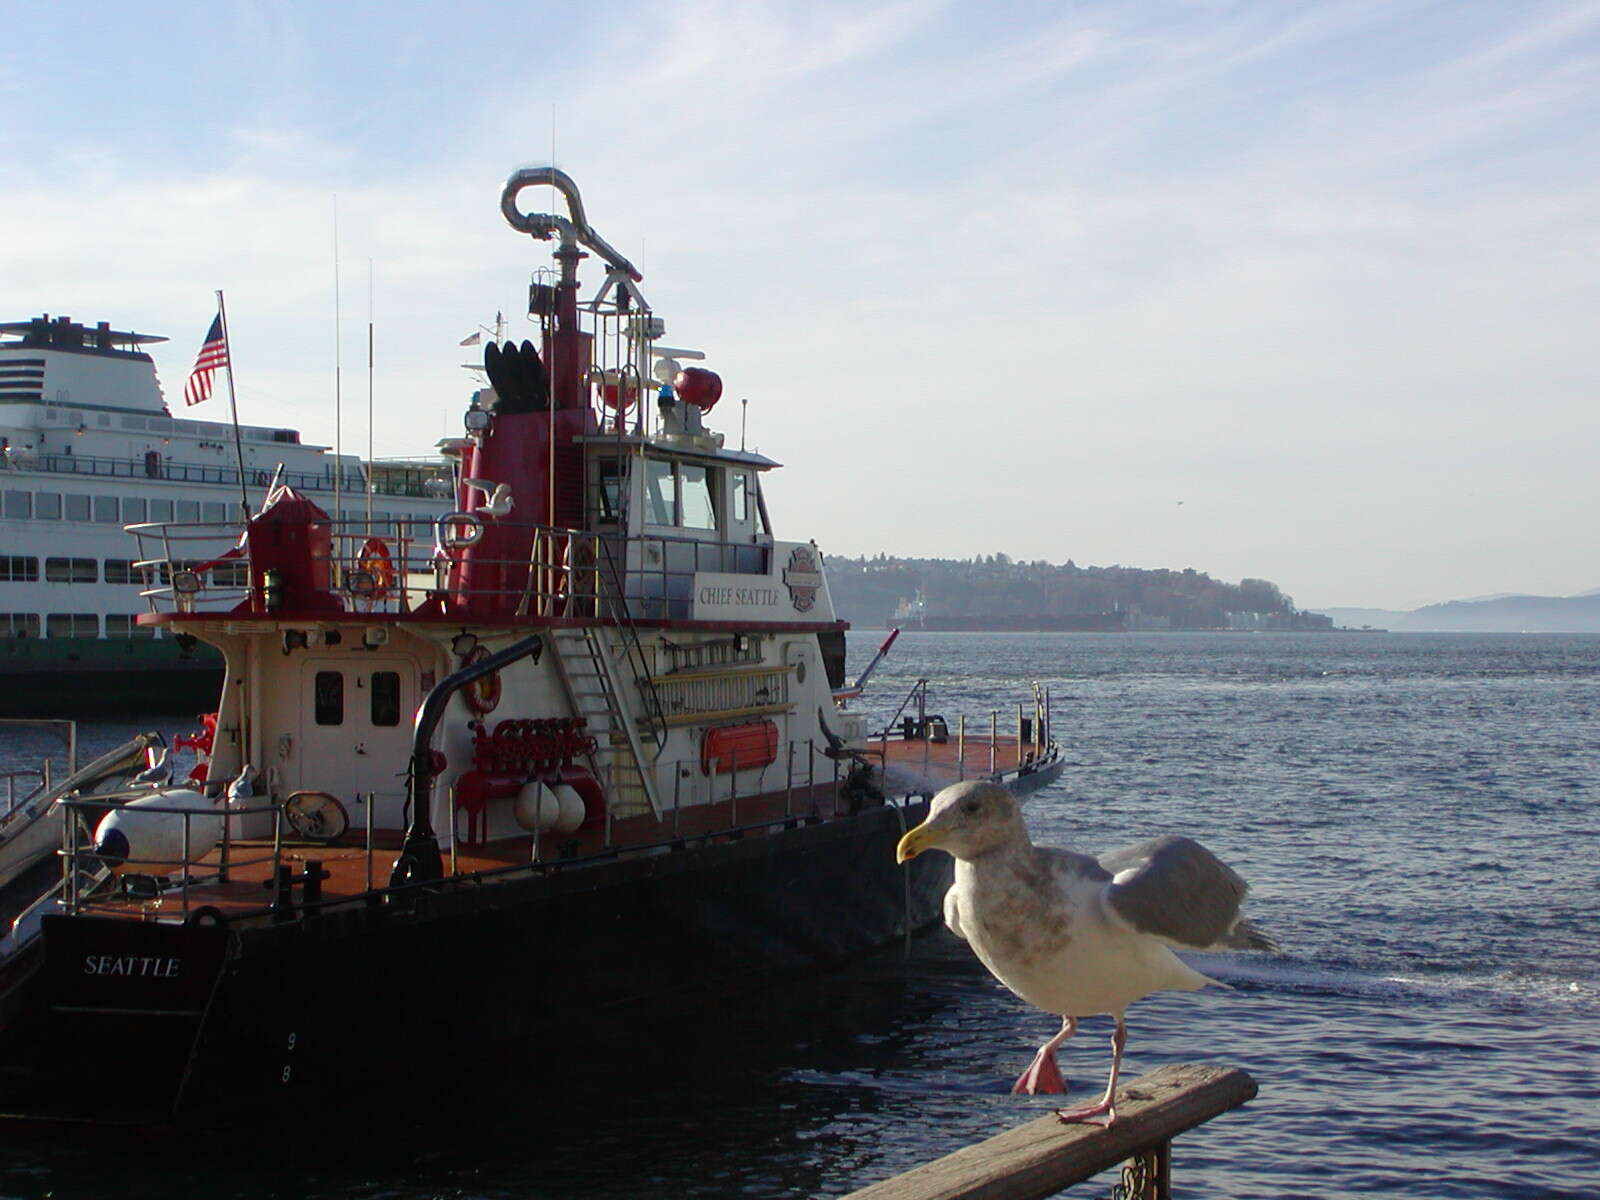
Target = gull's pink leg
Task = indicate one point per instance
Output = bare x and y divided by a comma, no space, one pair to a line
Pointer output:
1043,1076
1106,1104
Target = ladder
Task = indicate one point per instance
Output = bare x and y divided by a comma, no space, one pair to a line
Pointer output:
626,752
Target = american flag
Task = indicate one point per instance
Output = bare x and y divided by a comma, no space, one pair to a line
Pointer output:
213,354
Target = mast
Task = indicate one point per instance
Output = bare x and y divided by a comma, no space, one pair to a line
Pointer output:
233,406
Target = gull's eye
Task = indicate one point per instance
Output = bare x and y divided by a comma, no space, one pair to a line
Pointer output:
970,806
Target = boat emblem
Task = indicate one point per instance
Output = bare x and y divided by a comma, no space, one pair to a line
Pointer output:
803,576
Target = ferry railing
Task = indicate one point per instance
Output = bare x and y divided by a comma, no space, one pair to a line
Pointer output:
140,467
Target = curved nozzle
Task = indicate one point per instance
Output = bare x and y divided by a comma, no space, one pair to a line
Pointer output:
543,225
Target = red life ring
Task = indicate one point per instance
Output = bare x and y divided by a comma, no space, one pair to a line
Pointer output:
375,561
483,694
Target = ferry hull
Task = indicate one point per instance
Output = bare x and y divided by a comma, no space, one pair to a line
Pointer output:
102,677
200,1024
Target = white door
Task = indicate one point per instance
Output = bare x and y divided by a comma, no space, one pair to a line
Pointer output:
356,715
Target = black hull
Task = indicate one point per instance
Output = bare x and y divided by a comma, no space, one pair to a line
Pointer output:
367,1003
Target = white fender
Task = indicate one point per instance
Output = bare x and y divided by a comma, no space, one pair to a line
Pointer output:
130,838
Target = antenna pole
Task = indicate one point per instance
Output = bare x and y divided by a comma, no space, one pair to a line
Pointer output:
233,408
369,397
338,389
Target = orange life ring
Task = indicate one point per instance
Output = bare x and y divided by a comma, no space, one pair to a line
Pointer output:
482,694
375,561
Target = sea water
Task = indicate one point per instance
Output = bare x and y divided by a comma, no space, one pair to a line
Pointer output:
1416,814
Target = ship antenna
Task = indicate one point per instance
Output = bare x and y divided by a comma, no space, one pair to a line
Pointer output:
338,386
233,404
369,398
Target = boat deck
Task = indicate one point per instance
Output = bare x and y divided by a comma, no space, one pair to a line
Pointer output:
239,878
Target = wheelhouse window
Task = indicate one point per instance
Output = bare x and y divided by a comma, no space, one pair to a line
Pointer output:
18,504
134,510
739,486
608,479
105,509
77,507
698,511
660,492
17,568
328,697
385,693
47,506
161,510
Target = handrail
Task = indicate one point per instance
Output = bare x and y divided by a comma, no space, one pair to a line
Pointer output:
1046,1156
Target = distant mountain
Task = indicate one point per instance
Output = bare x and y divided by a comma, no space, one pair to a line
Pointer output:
1501,614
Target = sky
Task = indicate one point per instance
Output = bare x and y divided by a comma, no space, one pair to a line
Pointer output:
1294,291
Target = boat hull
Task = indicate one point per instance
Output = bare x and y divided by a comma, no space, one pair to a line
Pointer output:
368,1000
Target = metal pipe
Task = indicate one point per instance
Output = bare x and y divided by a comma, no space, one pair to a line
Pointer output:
544,226
419,859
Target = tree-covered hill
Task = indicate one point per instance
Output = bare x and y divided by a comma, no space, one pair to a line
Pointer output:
996,592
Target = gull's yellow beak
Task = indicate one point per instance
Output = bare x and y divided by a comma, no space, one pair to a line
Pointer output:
916,841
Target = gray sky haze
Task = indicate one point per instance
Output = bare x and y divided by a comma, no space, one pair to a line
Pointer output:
1291,290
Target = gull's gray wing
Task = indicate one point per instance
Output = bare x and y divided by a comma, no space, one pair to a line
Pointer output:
1175,889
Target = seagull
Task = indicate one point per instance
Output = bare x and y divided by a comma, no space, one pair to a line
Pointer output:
1073,935
159,772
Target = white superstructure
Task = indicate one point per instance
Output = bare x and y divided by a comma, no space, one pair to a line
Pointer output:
88,445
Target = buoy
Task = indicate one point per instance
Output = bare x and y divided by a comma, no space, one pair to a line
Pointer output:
131,838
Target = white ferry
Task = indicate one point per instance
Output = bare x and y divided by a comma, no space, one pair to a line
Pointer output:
88,446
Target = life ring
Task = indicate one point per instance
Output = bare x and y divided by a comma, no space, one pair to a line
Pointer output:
375,561
458,530
482,694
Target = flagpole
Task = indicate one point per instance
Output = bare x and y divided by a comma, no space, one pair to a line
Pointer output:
233,404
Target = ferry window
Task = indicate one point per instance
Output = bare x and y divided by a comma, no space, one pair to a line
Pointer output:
126,625
695,491
15,568
134,510
47,506
72,625
386,697
19,504
741,496
105,509
328,698
71,570
19,624
660,492
610,481
188,510
161,510
214,511
77,507
120,570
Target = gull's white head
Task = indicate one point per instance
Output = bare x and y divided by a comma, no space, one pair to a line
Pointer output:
966,820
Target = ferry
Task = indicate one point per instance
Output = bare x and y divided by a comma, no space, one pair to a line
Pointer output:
87,446
485,791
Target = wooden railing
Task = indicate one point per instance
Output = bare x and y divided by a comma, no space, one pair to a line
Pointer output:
1045,1156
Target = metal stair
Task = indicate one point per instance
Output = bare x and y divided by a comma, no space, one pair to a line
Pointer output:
626,751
